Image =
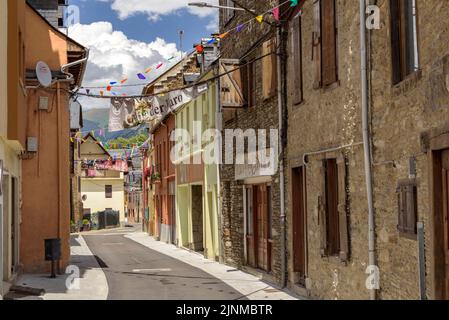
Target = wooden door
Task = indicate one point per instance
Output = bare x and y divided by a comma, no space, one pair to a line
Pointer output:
299,223
262,228
250,230
445,233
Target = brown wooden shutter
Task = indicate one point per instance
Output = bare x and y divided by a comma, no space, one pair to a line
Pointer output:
231,89
322,216
269,69
246,87
333,232
407,207
252,84
316,43
297,60
329,42
395,40
343,209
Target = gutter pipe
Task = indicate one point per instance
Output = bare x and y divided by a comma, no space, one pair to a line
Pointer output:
367,145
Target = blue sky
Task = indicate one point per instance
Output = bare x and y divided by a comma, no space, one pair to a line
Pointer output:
139,27
126,37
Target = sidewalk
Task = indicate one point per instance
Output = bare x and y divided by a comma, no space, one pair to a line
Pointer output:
92,283
249,286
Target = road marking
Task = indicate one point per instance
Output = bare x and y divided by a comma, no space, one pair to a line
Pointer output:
152,270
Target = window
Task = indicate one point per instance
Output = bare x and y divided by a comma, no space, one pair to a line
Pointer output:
404,39
232,84
407,208
248,72
108,191
297,59
269,69
333,216
228,14
324,45
60,22
331,196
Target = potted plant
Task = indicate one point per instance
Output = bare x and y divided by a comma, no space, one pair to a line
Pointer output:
86,225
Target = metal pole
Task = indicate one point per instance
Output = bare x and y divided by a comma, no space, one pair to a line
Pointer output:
279,42
422,261
367,145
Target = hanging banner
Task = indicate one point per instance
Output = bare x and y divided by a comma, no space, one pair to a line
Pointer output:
128,113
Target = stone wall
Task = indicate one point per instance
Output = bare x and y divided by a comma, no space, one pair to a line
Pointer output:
400,115
330,118
263,115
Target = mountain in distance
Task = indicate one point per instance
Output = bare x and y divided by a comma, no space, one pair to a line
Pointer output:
96,119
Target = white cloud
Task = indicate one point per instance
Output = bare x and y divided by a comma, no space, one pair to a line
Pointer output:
114,56
156,8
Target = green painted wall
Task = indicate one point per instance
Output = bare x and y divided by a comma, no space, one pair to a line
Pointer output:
201,109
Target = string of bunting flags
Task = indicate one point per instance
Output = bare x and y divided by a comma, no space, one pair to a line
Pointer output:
259,18
122,83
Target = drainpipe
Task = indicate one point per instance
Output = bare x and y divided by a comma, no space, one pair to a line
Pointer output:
367,143
280,44
58,157
219,127
74,63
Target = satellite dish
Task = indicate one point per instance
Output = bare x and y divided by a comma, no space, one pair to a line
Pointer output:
84,198
43,74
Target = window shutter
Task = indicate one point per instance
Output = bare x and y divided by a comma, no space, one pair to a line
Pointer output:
343,209
407,208
252,84
322,217
395,41
269,69
316,43
231,89
329,43
297,59
246,88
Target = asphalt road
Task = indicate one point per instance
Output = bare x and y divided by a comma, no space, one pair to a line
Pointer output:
135,272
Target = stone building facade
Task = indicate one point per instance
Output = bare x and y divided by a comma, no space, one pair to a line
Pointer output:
327,209
251,216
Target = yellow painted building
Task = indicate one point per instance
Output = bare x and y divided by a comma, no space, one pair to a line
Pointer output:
197,194
106,189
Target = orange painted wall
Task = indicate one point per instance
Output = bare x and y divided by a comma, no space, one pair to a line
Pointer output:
16,90
46,177
165,168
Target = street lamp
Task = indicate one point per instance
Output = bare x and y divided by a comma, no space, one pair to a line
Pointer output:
208,5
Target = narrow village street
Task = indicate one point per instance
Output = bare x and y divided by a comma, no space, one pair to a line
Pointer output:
224,150
136,268
134,271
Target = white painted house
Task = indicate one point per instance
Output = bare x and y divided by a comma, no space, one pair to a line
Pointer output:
101,189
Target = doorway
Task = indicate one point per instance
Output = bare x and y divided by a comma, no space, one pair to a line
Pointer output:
14,225
441,222
197,219
299,224
258,226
